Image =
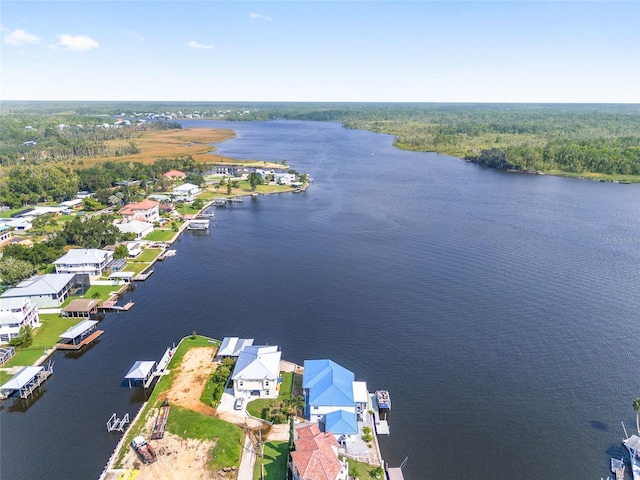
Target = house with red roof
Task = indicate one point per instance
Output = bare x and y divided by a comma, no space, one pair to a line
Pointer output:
145,211
175,175
316,456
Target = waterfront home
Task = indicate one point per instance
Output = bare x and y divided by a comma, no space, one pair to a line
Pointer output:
91,261
134,249
342,424
327,387
232,346
139,228
284,178
5,232
146,211
185,191
17,224
16,313
256,372
50,290
316,456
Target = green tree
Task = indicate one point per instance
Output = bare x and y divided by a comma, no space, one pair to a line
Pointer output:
292,445
24,338
198,203
636,408
121,251
13,270
90,204
294,404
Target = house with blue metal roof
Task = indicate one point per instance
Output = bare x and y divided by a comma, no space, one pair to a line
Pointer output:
327,387
343,425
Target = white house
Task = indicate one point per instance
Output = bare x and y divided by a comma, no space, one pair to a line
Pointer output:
5,232
84,260
256,372
49,290
134,248
232,346
186,190
16,313
18,224
284,178
139,228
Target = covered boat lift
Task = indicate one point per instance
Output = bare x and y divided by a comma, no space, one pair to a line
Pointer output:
26,381
79,335
141,372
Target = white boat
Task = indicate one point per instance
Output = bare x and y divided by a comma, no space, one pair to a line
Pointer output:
633,445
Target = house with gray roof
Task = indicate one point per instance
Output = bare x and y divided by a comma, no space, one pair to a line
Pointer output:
139,228
91,261
232,346
256,372
50,290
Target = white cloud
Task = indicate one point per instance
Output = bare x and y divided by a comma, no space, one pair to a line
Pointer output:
194,44
78,42
20,37
259,16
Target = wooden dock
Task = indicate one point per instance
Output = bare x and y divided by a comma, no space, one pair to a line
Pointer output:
86,341
141,277
161,421
110,305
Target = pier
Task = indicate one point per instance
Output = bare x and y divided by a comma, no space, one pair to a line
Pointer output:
26,381
79,335
141,277
110,305
142,373
618,468
198,224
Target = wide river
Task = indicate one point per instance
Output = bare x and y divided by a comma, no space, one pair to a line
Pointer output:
499,310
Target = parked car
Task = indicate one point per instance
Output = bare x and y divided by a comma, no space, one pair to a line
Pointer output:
237,405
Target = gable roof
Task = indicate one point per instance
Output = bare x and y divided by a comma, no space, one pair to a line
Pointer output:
328,383
341,422
314,458
232,346
185,187
134,226
82,256
258,362
48,284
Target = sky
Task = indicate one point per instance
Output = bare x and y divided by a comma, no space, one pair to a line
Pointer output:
321,51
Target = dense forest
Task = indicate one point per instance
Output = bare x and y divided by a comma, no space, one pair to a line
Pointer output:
583,140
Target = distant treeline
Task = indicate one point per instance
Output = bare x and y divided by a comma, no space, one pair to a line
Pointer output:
32,139
31,184
574,139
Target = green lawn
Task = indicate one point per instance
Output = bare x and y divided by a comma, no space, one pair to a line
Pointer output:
160,235
286,385
8,213
147,255
276,455
364,471
104,291
259,405
229,437
44,337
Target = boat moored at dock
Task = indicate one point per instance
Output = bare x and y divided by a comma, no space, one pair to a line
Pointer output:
633,446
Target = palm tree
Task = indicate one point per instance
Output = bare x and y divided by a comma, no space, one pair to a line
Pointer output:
295,404
636,408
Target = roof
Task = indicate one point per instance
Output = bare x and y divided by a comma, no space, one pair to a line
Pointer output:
632,442
13,303
48,284
341,422
78,329
360,392
258,363
185,187
81,305
314,457
395,473
141,370
145,204
232,346
10,318
134,226
22,378
175,173
82,256
328,383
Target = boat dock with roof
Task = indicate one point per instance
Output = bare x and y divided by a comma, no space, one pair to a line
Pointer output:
141,373
79,335
26,381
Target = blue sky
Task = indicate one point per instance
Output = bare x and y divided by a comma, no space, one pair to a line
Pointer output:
395,51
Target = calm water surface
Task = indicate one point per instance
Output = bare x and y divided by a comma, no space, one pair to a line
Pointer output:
500,310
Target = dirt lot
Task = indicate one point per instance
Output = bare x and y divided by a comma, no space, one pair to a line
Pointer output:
179,458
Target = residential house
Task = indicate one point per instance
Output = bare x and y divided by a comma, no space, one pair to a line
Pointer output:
146,211
139,228
327,387
134,249
284,178
316,456
232,346
5,232
186,191
175,175
50,290
17,224
256,372
91,261
81,308
342,424
16,313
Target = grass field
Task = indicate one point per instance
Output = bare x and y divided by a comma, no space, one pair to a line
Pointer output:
275,459
160,235
188,424
147,256
364,470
